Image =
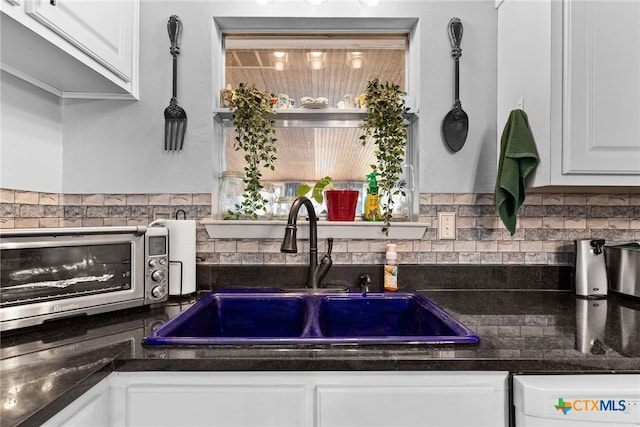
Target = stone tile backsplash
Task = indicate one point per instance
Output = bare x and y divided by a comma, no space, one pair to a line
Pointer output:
548,223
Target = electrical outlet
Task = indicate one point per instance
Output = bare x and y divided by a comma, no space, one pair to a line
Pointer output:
161,215
447,225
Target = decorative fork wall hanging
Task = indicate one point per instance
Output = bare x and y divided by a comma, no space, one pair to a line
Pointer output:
175,118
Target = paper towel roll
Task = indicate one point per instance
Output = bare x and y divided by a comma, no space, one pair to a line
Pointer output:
182,255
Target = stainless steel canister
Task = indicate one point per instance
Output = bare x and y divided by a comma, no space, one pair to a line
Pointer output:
623,267
590,273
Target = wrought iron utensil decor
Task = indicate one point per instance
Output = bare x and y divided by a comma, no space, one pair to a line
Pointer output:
175,118
455,125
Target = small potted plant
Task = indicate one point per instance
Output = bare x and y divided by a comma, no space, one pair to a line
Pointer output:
384,123
255,135
317,191
341,204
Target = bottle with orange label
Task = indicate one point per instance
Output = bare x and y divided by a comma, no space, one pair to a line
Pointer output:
391,268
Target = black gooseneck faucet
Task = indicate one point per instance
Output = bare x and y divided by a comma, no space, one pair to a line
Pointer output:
316,272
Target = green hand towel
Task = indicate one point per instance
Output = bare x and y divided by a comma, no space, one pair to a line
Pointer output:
518,158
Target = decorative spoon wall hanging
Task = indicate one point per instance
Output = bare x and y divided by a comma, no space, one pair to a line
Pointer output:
455,125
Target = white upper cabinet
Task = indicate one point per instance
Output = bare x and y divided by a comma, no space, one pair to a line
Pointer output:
574,67
73,48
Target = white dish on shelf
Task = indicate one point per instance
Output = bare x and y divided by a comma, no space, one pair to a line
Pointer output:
315,105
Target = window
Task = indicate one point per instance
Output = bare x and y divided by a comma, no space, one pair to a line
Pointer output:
331,66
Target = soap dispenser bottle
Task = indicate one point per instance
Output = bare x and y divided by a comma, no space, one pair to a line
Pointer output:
372,202
391,268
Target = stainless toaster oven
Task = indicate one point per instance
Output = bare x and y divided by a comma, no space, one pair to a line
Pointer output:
51,273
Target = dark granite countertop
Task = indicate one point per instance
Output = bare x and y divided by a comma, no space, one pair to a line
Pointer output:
45,368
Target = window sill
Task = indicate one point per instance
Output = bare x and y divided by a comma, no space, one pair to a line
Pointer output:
249,229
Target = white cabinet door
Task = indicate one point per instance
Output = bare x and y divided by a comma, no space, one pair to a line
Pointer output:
212,399
103,29
73,48
574,67
413,399
602,88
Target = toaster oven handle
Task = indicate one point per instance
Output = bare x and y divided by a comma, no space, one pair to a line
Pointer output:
65,231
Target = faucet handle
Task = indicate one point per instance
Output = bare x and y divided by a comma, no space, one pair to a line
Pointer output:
329,245
365,281
325,263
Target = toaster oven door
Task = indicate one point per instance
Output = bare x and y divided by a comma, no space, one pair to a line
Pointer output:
31,275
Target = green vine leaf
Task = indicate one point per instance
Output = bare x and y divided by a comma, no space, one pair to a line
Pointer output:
256,136
384,123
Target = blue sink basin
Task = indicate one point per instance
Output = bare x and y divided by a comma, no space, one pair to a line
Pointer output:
235,316
312,318
382,315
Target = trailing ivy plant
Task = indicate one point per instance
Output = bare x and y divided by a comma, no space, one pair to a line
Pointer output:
256,136
384,123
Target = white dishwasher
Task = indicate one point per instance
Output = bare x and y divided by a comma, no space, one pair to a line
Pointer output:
577,400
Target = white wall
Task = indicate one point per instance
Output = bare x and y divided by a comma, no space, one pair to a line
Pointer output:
30,137
117,146
473,168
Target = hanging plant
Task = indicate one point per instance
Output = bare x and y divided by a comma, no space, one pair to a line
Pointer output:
255,135
384,123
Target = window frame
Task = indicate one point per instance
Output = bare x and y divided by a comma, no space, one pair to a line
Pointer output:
223,26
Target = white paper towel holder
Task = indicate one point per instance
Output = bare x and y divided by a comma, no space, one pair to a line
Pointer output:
181,292
177,262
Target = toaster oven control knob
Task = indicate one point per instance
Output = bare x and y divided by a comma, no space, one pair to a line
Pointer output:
153,263
157,276
157,292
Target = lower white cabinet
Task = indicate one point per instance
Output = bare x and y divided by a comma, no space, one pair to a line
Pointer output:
90,409
321,399
212,399
412,399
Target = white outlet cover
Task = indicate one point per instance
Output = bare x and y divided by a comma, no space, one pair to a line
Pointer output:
447,225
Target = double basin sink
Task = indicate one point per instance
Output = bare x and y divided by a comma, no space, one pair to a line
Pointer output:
252,317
